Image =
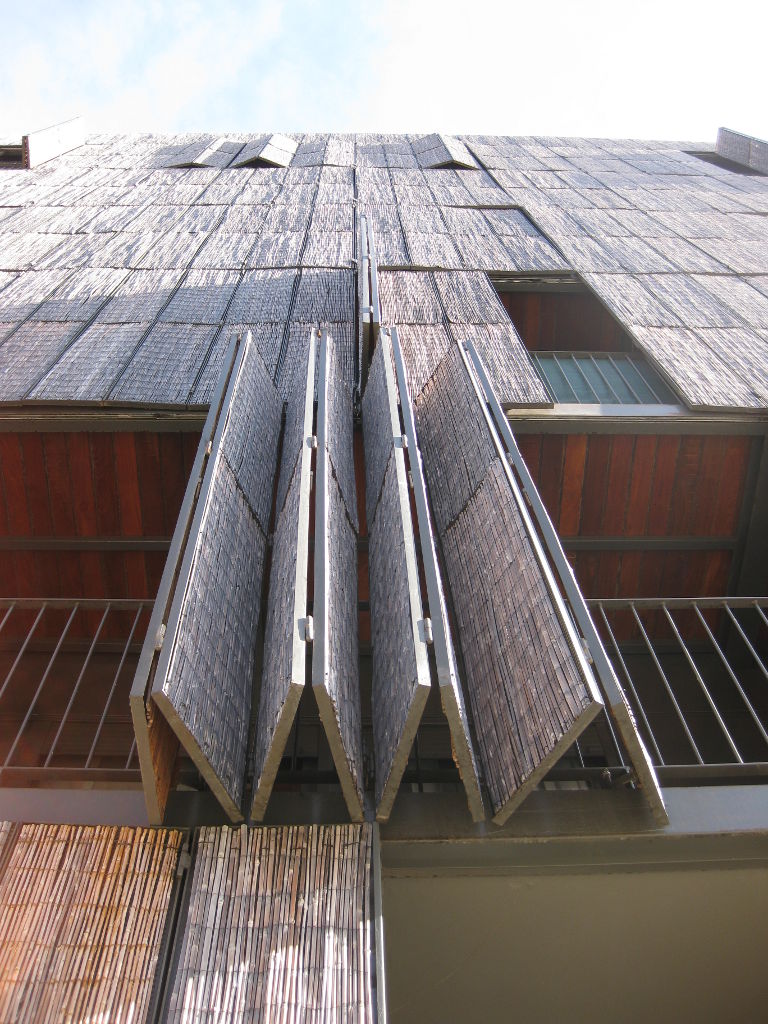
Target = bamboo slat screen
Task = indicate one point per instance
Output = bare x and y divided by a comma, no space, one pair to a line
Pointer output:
82,913
285,645
335,662
206,690
401,677
278,927
528,696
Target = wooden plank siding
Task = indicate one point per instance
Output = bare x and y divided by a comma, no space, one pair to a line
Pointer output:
568,321
671,490
86,488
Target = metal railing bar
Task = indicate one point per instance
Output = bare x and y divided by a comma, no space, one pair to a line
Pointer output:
604,379
617,368
86,603
111,693
636,364
614,603
76,688
628,677
565,378
41,684
584,377
131,752
543,374
20,655
734,678
704,689
7,616
669,689
745,638
757,608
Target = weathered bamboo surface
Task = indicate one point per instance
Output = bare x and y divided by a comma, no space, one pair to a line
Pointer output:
285,644
142,232
528,696
204,684
401,677
82,913
278,927
335,663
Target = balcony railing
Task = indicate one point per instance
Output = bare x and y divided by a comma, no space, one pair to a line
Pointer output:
601,378
65,672
695,671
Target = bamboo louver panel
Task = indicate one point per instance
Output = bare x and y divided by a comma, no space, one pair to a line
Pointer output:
335,665
401,677
82,913
285,645
454,438
279,927
204,680
529,700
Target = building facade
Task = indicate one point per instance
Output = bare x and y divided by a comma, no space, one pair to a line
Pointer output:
384,627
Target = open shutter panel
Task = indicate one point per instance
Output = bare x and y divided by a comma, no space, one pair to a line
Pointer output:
401,677
204,678
285,646
530,688
609,683
335,672
451,696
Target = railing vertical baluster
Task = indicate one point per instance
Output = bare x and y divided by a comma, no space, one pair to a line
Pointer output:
131,752
48,667
111,693
86,663
586,379
604,379
669,689
704,689
7,615
628,677
24,646
745,638
565,378
732,674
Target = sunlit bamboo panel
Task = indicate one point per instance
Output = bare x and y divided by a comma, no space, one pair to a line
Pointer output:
82,913
278,927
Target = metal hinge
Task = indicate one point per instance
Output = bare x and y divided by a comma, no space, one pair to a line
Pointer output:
426,630
309,629
183,863
587,652
160,636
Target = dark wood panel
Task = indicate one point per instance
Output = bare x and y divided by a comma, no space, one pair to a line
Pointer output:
624,487
564,321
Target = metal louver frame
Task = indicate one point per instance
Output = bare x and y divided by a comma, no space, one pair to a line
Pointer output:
335,669
288,627
368,292
614,695
401,676
451,696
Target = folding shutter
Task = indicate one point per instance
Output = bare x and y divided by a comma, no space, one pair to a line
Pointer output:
530,687
202,680
400,631
609,684
335,670
287,624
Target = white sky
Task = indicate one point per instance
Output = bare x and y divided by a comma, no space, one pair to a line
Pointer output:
665,70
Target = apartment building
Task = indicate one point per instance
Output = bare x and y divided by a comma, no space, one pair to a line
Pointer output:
383,624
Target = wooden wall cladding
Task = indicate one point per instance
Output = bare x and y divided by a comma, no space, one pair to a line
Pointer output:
564,322
638,487
401,677
87,488
335,664
82,913
278,928
285,645
527,688
204,679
